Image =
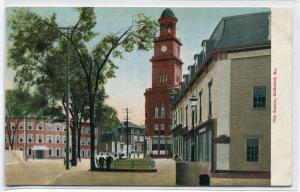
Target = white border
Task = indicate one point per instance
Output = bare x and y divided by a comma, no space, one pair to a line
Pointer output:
161,3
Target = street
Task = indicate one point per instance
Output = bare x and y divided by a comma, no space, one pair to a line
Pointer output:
52,172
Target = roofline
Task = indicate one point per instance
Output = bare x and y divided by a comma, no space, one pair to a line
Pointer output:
236,16
209,57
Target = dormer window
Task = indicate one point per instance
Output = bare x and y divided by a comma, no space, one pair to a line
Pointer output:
204,44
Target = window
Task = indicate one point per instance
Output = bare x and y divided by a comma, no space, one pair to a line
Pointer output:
49,127
57,139
40,138
155,129
259,96
57,127
209,100
57,152
200,107
186,115
156,112
163,78
252,149
50,152
30,138
181,117
40,126
162,145
21,126
49,139
21,138
162,112
203,141
154,144
82,153
162,129
174,120
30,126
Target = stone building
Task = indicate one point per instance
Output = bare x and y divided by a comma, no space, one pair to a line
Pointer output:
114,142
166,74
46,139
231,83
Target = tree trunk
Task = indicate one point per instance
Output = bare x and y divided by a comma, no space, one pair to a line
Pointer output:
78,145
74,148
92,133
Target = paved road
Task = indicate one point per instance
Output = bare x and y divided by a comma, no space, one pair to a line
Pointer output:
52,172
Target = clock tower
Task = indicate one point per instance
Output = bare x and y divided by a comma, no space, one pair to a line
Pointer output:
166,74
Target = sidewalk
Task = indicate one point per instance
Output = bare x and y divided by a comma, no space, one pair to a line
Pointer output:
52,172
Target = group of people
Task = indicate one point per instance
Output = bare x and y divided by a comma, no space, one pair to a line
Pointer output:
108,161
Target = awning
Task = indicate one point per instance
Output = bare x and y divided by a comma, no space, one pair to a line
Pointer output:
40,147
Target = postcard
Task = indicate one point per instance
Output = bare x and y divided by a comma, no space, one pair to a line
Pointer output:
148,96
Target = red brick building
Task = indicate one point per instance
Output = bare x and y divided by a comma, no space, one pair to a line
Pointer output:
166,74
46,139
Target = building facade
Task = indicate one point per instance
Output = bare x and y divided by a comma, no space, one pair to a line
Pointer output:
166,74
114,142
228,129
46,139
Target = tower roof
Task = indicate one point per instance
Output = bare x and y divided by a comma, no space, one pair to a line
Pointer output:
167,13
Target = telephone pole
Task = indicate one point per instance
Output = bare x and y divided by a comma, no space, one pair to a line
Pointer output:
68,29
127,111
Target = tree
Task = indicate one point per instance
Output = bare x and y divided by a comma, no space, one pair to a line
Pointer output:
33,34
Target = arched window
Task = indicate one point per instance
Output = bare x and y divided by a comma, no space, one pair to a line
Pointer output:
57,152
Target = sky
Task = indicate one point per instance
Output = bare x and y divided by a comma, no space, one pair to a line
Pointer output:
133,75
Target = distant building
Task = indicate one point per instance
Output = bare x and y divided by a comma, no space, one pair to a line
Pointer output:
114,142
231,79
166,74
46,139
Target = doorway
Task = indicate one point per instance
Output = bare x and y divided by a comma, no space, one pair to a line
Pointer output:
39,154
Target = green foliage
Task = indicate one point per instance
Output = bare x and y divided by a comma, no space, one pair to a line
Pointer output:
20,103
38,53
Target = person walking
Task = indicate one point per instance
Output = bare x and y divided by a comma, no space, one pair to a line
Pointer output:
109,160
101,161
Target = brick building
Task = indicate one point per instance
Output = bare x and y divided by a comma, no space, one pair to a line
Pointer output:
166,74
46,139
231,82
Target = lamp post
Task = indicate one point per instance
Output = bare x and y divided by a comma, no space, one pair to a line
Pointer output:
193,102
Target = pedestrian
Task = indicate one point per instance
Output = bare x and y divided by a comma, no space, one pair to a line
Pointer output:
109,160
101,161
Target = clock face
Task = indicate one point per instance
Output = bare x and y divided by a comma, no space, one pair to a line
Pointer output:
163,48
